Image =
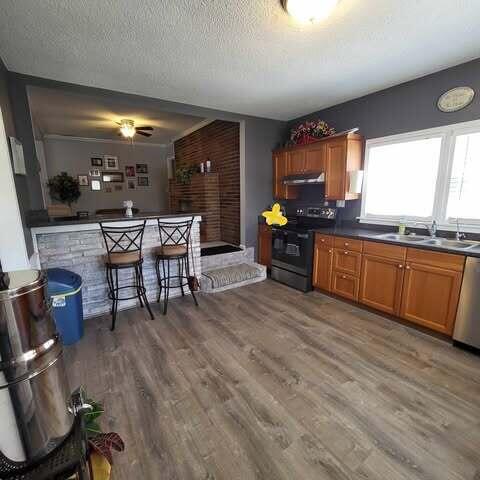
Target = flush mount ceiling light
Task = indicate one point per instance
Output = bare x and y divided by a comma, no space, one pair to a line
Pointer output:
309,10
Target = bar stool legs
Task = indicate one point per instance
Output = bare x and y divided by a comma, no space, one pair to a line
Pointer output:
165,279
114,289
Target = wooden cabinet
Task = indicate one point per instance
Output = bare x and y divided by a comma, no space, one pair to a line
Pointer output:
315,159
264,245
417,285
342,156
431,289
381,282
346,261
336,157
295,162
322,263
280,190
345,285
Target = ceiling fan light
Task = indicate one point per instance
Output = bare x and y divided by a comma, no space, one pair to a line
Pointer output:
127,128
309,10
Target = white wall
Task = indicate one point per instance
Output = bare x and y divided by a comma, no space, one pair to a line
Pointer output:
73,157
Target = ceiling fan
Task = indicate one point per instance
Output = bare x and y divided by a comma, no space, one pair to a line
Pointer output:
128,129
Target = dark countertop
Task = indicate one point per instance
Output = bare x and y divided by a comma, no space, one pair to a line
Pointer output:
55,222
372,235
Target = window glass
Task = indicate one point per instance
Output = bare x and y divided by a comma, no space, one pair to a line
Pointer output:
401,178
464,192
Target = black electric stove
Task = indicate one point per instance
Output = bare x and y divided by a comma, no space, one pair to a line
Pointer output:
292,245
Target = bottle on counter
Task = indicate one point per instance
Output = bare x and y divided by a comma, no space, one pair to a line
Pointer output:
402,226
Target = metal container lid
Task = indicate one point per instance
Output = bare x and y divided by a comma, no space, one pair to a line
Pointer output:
20,282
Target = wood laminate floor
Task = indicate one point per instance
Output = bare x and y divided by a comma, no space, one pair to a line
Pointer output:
264,382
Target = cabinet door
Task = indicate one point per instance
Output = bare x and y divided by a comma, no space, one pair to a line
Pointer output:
336,169
264,254
315,159
381,283
430,296
295,162
345,285
322,267
346,261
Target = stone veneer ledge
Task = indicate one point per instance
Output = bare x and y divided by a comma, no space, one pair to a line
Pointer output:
81,249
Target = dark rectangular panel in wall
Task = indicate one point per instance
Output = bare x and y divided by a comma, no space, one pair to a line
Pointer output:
218,142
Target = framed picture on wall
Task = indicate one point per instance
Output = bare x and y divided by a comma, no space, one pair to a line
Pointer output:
142,181
111,163
96,161
95,172
83,180
113,177
129,171
142,168
131,184
118,188
95,185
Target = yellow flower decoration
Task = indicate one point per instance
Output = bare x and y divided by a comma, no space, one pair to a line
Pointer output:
275,217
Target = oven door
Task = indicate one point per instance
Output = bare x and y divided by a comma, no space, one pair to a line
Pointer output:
292,250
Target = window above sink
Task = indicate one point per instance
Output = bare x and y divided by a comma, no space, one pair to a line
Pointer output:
424,176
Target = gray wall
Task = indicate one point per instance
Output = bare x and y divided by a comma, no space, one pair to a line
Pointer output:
73,157
403,108
262,135
21,181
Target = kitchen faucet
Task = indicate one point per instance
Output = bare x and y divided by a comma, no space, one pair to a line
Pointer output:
432,229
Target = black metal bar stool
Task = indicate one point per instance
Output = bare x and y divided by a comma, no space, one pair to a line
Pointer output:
124,250
174,247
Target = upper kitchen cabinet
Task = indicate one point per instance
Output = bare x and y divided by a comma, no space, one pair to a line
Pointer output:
335,156
280,190
343,155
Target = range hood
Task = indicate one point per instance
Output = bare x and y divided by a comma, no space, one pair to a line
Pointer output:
304,178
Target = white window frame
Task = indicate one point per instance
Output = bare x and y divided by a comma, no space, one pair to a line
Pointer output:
448,134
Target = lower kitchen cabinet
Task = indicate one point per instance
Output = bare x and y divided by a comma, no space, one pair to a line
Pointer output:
417,285
346,261
345,285
381,284
322,265
264,245
430,296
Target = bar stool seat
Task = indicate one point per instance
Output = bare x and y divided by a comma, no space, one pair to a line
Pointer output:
124,258
171,250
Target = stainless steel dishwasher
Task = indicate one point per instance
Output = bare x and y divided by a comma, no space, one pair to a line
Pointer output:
467,325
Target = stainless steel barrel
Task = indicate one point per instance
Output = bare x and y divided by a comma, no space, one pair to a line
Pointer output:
34,393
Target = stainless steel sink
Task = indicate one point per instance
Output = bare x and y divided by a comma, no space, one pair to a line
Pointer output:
437,242
403,238
445,242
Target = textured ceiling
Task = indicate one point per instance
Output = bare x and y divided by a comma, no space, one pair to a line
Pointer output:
63,113
243,56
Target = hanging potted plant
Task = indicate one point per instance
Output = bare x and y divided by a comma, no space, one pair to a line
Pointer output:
64,188
183,175
100,444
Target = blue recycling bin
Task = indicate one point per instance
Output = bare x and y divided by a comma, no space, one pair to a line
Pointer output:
65,291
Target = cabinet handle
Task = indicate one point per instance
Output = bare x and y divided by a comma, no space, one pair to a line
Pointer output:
344,277
330,251
400,266
408,267
322,240
345,252
346,244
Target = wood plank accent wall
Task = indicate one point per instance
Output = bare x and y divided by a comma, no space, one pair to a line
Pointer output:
200,195
218,142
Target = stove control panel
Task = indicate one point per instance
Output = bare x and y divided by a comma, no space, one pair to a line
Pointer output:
317,212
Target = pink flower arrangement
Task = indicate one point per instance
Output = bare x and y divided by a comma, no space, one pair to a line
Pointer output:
310,131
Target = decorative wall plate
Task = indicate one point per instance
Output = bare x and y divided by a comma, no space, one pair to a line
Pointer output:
455,99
